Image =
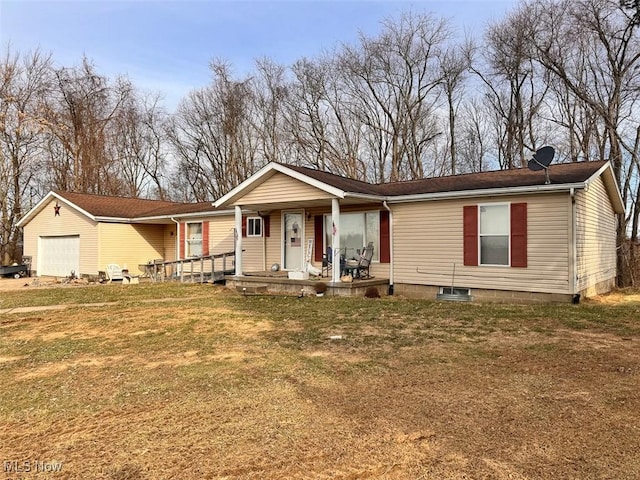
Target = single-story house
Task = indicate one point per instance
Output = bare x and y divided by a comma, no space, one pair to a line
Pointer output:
496,235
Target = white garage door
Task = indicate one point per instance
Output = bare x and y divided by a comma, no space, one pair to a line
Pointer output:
58,256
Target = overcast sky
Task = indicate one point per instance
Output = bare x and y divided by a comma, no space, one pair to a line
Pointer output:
167,45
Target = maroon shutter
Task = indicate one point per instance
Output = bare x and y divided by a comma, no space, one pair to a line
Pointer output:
318,233
182,239
205,238
385,241
244,226
519,235
470,233
266,226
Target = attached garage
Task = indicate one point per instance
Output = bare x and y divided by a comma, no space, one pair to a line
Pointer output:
59,256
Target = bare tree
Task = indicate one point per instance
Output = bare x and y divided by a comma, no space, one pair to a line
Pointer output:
213,136
23,83
80,109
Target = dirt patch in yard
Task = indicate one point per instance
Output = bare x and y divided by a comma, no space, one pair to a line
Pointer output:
235,389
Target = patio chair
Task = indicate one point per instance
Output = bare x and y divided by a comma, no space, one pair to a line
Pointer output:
114,273
361,270
327,263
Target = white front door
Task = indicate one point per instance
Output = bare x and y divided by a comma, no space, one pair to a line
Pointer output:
293,230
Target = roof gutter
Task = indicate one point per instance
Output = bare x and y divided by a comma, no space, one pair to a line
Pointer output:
489,192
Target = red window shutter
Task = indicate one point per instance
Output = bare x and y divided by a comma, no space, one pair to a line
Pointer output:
244,226
318,232
266,226
519,235
470,233
385,241
205,238
181,236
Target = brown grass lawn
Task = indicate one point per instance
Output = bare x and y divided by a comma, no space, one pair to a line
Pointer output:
195,382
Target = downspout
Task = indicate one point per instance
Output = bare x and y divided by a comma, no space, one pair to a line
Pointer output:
264,242
177,255
384,204
574,250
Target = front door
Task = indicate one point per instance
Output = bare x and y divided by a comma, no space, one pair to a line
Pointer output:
293,228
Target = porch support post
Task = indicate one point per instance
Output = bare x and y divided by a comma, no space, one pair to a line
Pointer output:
335,239
238,240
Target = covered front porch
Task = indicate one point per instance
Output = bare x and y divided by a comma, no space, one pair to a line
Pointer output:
295,220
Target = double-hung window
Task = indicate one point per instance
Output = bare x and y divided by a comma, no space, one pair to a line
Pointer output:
194,239
494,234
254,227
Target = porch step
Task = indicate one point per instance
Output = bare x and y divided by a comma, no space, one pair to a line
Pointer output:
251,288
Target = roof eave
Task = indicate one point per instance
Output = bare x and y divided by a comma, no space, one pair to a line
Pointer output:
611,184
265,171
40,205
488,192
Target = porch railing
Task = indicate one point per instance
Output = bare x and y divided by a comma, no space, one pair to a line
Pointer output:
195,269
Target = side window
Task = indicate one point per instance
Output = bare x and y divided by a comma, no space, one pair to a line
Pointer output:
254,227
494,228
194,240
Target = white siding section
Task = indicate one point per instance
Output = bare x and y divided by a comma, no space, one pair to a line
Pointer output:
428,236
595,239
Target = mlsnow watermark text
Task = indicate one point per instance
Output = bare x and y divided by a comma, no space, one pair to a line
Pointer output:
31,466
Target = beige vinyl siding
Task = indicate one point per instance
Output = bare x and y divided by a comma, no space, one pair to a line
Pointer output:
280,186
169,243
130,245
428,236
221,234
595,238
69,222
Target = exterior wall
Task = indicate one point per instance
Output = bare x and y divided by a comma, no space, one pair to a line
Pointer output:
595,240
273,189
221,234
129,245
428,236
69,222
169,235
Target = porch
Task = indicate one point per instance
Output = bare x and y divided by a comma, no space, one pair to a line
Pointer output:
278,282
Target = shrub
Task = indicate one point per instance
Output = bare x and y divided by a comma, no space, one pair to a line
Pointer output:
320,287
372,292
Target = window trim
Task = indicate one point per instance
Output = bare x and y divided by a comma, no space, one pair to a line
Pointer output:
253,220
480,235
455,291
187,244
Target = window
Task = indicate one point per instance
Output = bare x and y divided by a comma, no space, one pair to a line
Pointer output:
254,227
193,240
494,234
356,231
455,291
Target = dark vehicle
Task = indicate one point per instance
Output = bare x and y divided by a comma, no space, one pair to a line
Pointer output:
15,271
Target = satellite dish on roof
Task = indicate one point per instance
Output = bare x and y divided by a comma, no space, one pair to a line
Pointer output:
541,161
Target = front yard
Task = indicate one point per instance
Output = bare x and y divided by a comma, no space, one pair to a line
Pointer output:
185,382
